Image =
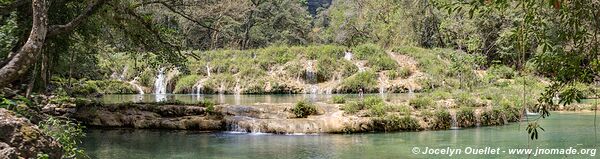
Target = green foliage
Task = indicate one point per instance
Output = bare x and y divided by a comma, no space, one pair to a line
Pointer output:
465,117
366,80
501,71
466,99
209,105
186,84
440,94
352,107
8,34
376,57
302,109
492,117
20,105
421,102
404,72
395,123
67,133
338,99
377,110
372,101
441,119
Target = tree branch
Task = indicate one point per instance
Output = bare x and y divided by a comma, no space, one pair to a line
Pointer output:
90,9
188,17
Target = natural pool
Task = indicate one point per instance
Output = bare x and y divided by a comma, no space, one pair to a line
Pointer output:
563,130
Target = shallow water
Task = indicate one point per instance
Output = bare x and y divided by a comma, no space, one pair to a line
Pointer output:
563,130
241,99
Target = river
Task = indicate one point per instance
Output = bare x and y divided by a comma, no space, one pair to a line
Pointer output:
563,130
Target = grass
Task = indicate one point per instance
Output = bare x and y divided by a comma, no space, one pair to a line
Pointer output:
375,56
395,123
421,102
339,99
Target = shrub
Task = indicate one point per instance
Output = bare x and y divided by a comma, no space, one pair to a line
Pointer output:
492,117
372,101
404,72
395,123
377,109
402,109
442,120
186,84
339,99
302,109
465,99
366,80
465,117
352,107
392,74
376,56
67,133
440,94
420,102
501,71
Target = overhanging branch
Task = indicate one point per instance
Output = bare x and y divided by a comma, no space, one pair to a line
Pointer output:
90,9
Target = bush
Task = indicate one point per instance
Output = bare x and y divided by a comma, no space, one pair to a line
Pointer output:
420,102
392,74
376,57
465,117
440,94
395,123
492,117
186,84
352,107
377,110
67,133
402,109
442,120
372,101
302,109
404,72
501,71
366,80
339,99
466,99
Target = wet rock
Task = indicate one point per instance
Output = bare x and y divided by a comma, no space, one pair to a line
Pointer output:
145,116
21,139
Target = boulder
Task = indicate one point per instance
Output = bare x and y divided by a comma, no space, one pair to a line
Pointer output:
19,138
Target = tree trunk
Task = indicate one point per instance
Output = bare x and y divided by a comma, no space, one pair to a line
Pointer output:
25,57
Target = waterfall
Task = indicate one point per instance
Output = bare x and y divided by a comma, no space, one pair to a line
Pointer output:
453,123
348,56
160,88
207,70
138,87
122,76
381,85
243,124
159,83
311,78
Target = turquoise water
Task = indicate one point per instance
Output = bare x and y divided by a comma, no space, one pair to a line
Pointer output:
563,130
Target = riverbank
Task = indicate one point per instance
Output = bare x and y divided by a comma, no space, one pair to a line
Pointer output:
562,131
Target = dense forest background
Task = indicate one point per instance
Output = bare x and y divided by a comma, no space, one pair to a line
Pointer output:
555,38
